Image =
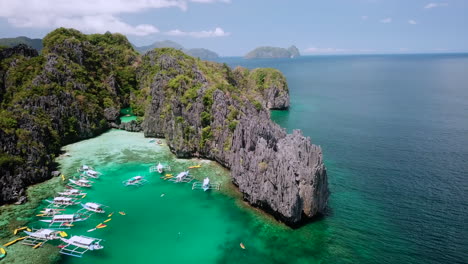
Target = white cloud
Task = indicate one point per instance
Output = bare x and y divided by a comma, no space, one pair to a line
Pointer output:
217,32
412,22
364,17
433,5
386,20
90,16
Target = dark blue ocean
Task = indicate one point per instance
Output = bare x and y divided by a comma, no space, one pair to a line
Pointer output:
394,133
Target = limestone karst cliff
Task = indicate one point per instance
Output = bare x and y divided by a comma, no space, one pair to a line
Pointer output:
73,90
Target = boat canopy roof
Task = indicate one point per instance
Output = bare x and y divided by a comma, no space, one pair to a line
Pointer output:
81,240
92,172
93,205
182,174
160,165
64,217
206,181
137,178
44,232
62,199
85,167
83,180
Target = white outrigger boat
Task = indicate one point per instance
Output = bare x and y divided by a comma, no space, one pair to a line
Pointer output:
94,207
159,168
83,168
76,246
72,192
38,237
205,185
64,221
63,201
183,177
91,173
50,212
81,183
135,181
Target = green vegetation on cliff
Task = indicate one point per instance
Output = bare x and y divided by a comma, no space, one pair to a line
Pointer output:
58,97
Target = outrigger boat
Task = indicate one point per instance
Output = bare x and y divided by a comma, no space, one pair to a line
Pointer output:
50,212
135,181
76,246
94,207
91,173
63,201
159,168
72,192
182,177
81,183
83,168
205,185
65,221
38,237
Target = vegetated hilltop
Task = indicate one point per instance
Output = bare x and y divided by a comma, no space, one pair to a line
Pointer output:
273,52
201,53
11,42
75,88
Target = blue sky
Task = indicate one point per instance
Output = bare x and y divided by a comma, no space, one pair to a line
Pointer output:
233,27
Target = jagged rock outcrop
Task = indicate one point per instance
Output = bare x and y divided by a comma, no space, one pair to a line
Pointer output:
280,173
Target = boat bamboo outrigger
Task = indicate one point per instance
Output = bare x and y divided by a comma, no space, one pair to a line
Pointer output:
81,183
63,201
160,168
38,237
76,246
205,185
182,177
94,207
72,192
135,181
65,221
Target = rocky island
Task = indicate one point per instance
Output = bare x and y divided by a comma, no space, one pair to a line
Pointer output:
273,52
75,88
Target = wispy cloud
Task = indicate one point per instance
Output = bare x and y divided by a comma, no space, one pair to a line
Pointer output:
386,20
217,32
90,16
412,22
364,17
433,5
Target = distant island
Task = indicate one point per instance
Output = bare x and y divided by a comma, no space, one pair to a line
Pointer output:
268,52
11,42
201,53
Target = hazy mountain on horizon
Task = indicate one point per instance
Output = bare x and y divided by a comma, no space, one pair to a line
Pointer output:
11,42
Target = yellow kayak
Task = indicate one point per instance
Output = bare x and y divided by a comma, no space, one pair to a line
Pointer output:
38,245
14,241
19,229
195,167
63,177
101,225
110,215
63,234
2,253
107,220
83,196
242,245
122,213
